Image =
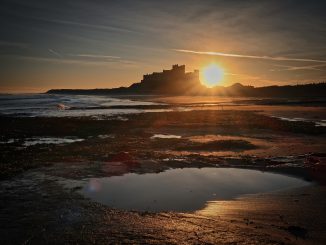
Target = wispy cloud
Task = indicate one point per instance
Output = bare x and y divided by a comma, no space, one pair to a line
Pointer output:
245,76
296,68
58,60
87,25
13,44
55,53
249,56
88,57
88,60
96,56
101,58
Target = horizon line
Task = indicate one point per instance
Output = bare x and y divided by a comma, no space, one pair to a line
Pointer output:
298,84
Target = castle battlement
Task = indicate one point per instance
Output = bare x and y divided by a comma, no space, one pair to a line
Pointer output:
177,72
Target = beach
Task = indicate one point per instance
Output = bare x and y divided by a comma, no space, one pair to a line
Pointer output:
51,154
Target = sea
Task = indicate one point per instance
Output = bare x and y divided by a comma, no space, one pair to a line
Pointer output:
53,105
108,107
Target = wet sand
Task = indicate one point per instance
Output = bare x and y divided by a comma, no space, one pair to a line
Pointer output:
37,208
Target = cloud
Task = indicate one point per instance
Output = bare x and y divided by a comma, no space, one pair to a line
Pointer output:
96,56
13,44
244,76
78,60
249,56
101,59
87,25
55,53
296,68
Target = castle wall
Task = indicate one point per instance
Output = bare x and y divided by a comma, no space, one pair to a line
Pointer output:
177,72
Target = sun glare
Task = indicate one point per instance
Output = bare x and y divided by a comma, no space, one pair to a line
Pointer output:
212,75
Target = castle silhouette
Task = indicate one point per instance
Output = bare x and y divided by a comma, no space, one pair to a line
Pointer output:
173,81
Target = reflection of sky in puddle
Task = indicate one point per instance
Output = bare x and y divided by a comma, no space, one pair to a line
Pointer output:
318,123
183,189
321,123
44,140
50,140
165,136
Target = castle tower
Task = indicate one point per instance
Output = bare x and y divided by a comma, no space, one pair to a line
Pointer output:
179,69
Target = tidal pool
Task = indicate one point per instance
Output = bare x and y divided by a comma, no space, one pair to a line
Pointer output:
165,136
183,190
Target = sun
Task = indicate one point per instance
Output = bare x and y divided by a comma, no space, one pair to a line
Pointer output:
212,75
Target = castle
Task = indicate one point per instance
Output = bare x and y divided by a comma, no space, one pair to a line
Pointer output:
172,81
177,72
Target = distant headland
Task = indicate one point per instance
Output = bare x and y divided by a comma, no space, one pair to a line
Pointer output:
179,82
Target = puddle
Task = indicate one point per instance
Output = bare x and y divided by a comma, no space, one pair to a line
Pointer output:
50,140
165,136
10,141
183,190
43,140
318,123
106,136
321,123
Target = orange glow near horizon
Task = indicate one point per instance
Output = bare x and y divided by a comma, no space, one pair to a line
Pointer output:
211,75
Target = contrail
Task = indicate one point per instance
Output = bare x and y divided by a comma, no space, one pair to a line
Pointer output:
55,53
248,56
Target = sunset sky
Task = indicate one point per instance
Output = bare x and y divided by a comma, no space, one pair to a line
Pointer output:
112,43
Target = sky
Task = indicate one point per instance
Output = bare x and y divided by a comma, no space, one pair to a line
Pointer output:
112,43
